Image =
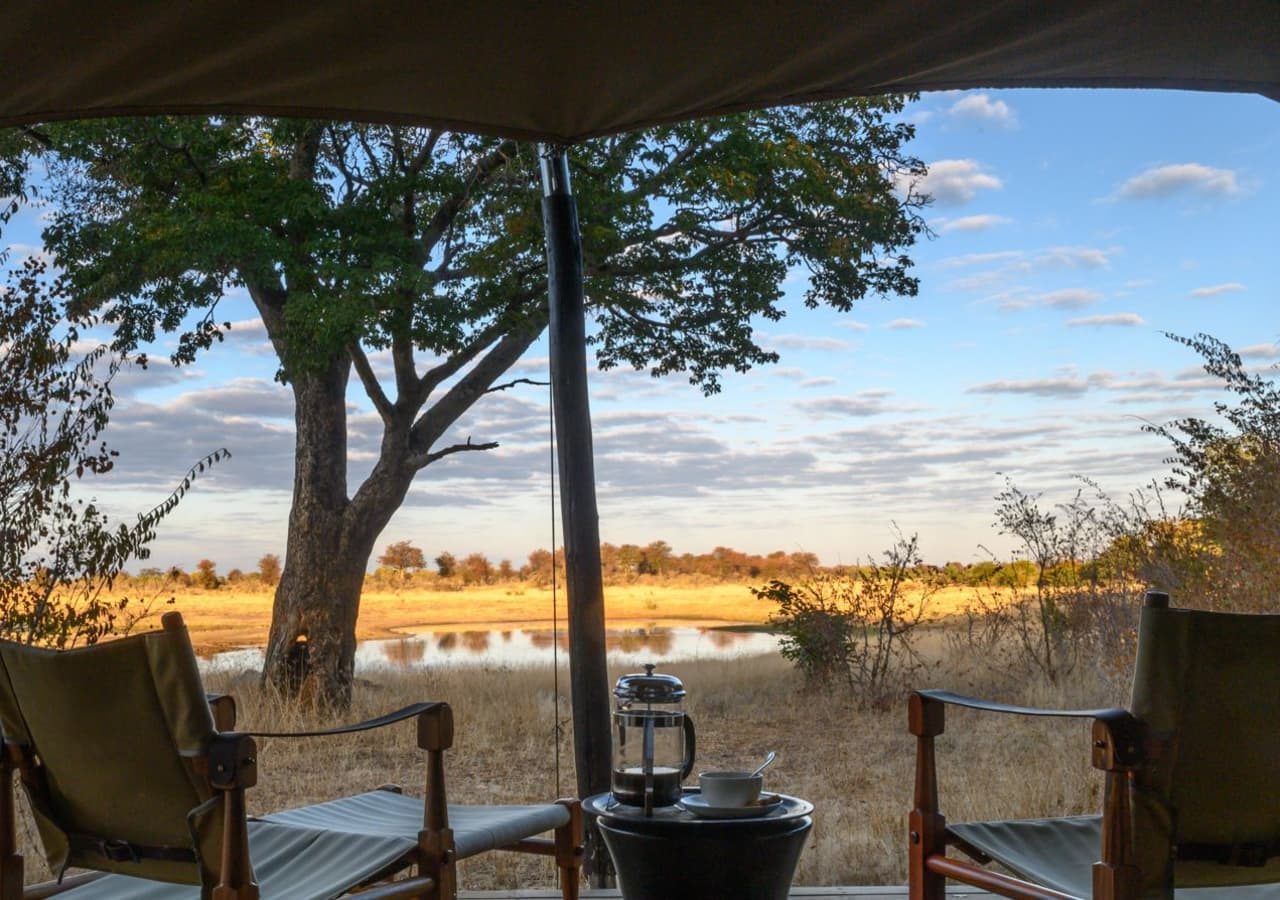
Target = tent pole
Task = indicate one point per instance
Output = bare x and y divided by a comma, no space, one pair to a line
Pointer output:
588,672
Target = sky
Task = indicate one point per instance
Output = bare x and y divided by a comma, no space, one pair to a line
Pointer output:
1072,229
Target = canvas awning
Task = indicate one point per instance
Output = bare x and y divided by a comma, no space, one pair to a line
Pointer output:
565,71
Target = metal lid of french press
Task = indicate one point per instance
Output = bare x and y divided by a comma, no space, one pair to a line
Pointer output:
649,688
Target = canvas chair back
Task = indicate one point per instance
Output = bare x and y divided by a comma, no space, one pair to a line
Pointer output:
109,740
1207,688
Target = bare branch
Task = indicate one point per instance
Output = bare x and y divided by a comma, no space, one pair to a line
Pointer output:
511,384
370,381
433,423
426,459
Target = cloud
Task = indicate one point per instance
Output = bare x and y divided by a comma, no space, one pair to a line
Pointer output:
1063,386
1164,181
1069,298
953,182
1076,257
851,325
904,324
859,405
820,381
247,329
981,109
1260,351
972,223
807,342
1124,320
965,260
1215,290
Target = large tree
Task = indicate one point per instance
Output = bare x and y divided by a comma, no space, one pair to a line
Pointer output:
428,244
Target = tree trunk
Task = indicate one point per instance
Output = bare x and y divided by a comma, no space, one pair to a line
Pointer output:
311,648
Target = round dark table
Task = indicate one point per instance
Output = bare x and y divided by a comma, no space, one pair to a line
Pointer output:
675,855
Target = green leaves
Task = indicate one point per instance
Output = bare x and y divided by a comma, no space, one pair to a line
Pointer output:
59,554
345,232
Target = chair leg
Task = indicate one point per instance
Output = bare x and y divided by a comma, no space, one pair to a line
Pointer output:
236,881
569,850
926,719
439,861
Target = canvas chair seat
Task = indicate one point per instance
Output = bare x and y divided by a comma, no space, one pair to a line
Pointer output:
476,829
1059,853
321,851
288,861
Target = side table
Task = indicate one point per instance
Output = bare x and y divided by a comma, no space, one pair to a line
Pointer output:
675,855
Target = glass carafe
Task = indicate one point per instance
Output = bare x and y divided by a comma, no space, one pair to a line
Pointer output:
653,740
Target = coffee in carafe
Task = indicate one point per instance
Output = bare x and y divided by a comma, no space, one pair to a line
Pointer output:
653,740
629,785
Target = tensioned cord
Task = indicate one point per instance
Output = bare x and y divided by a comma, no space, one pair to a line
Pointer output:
555,619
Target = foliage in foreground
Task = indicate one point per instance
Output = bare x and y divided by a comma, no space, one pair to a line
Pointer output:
59,553
1229,470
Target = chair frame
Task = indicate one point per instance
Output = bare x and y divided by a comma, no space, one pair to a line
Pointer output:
230,765
1118,749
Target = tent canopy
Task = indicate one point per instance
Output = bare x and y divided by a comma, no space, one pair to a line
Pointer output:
566,71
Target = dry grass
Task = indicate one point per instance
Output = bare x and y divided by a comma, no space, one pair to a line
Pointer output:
855,765
224,619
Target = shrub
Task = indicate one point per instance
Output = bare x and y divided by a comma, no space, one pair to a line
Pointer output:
857,625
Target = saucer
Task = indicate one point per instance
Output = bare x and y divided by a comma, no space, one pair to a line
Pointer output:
695,804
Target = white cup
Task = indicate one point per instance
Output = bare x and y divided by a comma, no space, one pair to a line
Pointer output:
728,789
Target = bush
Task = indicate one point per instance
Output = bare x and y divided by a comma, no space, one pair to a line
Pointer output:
857,625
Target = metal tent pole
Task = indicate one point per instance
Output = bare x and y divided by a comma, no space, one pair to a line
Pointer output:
588,672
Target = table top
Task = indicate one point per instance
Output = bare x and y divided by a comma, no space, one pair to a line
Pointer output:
604,806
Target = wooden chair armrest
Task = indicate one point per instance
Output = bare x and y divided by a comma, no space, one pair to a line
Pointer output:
1117,734
425,712
952,699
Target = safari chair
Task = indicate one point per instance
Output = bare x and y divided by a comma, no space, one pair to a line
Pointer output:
133,773
1192,796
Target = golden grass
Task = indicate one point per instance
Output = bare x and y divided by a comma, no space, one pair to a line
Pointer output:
225,618
856,766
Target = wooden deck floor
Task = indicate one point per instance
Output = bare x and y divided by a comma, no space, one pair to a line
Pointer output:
797,893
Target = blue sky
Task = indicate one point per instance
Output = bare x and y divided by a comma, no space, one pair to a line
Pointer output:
1072,229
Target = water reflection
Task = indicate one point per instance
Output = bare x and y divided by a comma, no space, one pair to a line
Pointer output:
533,646
405,653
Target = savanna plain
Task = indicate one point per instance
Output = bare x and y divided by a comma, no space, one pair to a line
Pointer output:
514,740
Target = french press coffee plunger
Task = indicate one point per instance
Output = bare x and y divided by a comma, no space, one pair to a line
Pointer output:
653,743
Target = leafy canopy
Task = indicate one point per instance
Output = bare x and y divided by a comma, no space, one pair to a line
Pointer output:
412,239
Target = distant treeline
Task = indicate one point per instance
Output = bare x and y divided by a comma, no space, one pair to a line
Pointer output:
402,564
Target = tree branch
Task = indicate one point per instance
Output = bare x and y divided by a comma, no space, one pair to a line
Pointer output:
675,163
424,154
302,165
423,460
445,215
370,381
433,423
511,384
